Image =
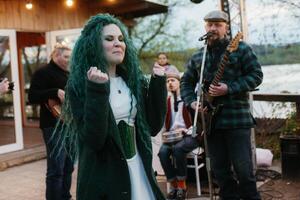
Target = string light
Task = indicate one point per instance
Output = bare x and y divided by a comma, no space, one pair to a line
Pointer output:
29,5
69,3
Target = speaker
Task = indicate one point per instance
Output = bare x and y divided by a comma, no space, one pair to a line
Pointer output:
290,157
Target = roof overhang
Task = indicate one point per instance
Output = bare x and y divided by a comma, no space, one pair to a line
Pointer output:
129,9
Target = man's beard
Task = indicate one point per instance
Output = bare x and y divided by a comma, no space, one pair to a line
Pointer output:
215,42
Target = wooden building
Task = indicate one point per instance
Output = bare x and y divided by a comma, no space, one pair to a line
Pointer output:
28,32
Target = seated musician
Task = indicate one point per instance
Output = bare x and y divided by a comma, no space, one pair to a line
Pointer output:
177,141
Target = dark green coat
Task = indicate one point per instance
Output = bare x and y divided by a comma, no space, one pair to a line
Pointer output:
103,171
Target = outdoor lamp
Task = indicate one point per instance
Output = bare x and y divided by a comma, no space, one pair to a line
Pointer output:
28,5
69,3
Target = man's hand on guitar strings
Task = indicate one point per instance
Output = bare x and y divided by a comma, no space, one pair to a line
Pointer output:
200,109
218,90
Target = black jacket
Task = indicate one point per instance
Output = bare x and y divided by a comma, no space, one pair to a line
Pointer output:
44,85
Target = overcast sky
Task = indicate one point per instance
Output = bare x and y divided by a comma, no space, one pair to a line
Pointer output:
267,24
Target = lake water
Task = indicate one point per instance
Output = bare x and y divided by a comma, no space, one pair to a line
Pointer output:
277,78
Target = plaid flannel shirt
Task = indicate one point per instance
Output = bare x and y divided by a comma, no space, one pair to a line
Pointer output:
242,74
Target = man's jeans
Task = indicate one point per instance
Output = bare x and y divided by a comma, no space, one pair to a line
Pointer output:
232,148
177,152
59,169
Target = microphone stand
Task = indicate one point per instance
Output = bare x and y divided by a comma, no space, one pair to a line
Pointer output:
203,123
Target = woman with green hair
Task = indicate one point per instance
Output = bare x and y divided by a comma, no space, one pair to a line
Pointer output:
110,113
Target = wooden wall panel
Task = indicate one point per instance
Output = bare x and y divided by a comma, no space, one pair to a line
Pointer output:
27,16
2,10
46,15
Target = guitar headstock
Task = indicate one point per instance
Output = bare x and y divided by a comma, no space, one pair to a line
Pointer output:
234,44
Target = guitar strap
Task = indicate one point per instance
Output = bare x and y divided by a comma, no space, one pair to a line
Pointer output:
210,70
213,59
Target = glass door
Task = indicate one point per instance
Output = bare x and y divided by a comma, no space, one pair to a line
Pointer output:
32,55
11,136
66,37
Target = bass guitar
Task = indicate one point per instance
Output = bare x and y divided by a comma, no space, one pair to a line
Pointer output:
233,46
207,98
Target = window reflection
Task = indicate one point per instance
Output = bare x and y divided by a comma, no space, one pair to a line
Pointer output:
68,40
32,58
6,100
7,135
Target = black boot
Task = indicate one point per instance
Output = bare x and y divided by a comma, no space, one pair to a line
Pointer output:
172,194
181,194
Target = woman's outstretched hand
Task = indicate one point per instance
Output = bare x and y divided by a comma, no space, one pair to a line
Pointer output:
158,70
94,74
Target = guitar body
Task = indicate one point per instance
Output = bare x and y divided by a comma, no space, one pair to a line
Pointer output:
209,118
54,106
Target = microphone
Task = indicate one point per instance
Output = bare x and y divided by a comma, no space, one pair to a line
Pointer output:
196,1
206,36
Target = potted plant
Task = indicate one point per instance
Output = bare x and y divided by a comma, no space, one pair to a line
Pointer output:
290,147
292,126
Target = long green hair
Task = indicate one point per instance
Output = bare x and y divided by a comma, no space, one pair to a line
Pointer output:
88,51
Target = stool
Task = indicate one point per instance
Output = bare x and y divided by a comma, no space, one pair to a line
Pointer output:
194,154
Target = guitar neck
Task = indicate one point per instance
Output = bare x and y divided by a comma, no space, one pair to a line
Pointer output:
220,71
219,74
233,46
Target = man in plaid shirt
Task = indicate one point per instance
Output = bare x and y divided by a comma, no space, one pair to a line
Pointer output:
229,140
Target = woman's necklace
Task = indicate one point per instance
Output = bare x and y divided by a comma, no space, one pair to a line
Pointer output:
114,82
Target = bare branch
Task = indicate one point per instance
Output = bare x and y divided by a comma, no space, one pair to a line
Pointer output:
290,3
154,34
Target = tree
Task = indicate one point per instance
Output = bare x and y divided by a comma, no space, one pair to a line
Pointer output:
153,33
274,21
4,59
292,5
